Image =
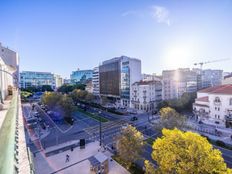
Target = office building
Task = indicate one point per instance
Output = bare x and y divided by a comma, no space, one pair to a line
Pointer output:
116,78
177,82
36,79
80,76
95,81
146,95
214,105
58,80
211,78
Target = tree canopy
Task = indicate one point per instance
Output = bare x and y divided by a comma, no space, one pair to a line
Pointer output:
129,145
186,153
170,119
67,88
184,103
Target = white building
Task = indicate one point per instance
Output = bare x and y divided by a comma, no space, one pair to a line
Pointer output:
95,81
58,80
214,105
146,95
177,82
11,59
227,79
6,79
36,79
116,78
151,77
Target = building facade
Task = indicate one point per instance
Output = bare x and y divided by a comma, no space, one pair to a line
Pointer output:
214,105
36,79
227,79
58,81
177,82
116,78
95,81
211,78
80,76
11,59
146,95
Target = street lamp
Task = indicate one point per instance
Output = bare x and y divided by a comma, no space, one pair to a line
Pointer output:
100,129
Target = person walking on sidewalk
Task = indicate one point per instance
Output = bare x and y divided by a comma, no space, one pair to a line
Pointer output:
67,158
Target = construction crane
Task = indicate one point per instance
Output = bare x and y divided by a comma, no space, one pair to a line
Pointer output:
203,63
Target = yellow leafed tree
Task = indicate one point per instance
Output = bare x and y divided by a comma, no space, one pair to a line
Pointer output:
187,153
129,145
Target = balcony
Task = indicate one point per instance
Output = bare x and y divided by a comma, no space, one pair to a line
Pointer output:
14,154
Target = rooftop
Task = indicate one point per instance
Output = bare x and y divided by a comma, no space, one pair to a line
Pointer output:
222,89
146,82
203,99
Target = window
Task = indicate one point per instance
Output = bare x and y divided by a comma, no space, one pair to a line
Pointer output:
217,99
218,109
230,101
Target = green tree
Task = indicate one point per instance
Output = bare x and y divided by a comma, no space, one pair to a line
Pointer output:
66,104
78,95
67,88
46,88
51,99
187,153
129,145
170,119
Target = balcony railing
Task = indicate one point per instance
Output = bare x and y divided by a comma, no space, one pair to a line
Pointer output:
10,136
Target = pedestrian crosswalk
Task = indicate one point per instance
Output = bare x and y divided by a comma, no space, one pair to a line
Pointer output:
105,126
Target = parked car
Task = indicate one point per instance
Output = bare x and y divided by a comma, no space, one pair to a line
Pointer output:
134,118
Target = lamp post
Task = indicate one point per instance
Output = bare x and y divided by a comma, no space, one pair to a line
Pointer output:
100,129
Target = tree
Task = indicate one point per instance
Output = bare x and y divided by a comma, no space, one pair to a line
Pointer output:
89,97
149,168
78,95
51,99
46,88
187,152
129,145
170,119
184,103
67,88
66,104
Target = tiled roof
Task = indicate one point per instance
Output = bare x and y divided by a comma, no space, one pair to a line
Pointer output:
222,89
196,104
203,99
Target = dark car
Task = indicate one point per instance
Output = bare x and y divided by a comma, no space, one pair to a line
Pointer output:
134,118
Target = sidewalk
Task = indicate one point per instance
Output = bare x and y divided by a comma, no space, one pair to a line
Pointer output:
78,163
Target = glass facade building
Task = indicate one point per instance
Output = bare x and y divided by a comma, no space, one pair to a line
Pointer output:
110,79
81,76
36,79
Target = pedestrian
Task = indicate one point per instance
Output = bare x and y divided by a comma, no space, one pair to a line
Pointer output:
67,158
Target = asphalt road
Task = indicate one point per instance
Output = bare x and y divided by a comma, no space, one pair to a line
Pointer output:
88,128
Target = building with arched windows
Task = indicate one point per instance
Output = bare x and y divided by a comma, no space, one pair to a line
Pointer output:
214,105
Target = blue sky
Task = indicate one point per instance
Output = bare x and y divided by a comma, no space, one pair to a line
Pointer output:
61,36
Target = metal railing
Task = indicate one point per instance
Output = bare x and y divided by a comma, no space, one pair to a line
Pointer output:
8,149
10,137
